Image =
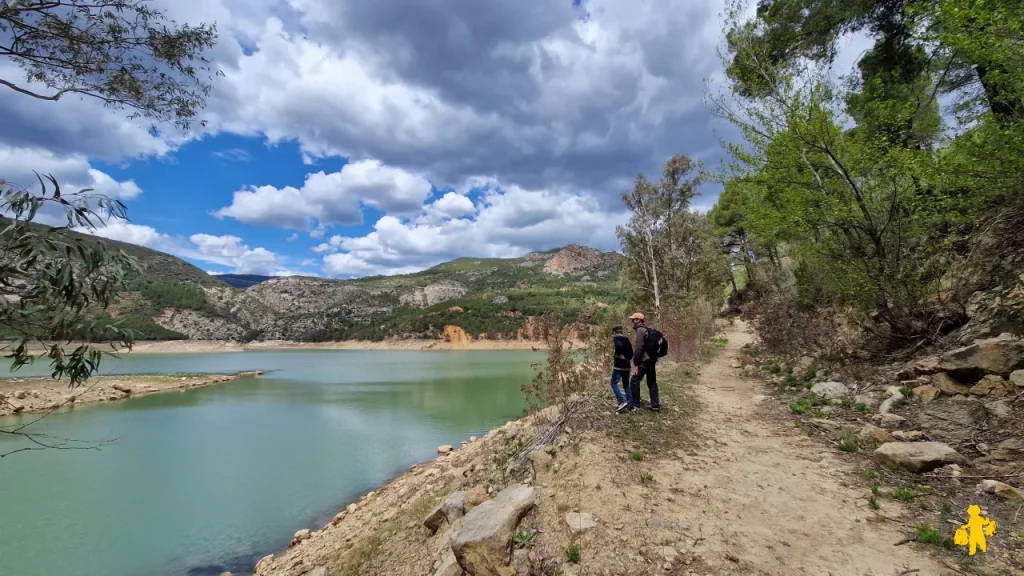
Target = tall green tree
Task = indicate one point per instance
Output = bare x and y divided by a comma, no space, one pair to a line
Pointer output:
672,253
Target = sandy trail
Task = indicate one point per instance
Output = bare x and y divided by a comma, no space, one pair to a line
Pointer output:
772,501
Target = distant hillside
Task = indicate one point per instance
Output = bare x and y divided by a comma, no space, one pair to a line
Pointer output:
465,298
242,281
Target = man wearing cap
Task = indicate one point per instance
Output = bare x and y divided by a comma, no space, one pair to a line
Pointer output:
643,366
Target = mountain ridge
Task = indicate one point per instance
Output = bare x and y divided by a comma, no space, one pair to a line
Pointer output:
465,298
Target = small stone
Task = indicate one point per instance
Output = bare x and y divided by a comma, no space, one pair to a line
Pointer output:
994,386
891,420
669,554
265,561
445,449
866,399
1017,377
998,409
472,438
300,536
830,390
352,508
926,393
911,436
475,497
873,435
20,394
338,518
580,522
760,398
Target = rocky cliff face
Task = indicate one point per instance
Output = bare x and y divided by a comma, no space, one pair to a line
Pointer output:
433,294
574,259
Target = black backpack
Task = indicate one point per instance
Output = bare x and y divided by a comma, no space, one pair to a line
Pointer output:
655,345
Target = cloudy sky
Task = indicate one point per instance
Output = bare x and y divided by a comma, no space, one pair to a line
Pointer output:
355,137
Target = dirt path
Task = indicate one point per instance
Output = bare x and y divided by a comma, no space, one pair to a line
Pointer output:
769,499
711,486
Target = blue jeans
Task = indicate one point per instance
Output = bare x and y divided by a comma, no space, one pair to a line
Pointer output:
622,375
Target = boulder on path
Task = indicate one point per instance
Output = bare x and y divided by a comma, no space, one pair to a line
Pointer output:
926,393
1001,489
994,386
917,456
1000,356
829,390
448,511
948,384
580,522
873,435
483,545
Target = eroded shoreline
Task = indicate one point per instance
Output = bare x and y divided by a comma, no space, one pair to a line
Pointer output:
42,394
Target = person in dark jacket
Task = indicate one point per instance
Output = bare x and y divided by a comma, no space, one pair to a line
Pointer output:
620,367
643,366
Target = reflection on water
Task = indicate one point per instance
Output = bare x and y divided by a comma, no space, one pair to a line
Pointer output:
206,480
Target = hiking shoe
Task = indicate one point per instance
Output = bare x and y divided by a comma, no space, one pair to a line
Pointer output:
624,408
655,408
621,406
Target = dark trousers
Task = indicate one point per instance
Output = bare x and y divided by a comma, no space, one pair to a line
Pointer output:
646,368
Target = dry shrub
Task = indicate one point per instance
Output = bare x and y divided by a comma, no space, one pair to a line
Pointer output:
687,329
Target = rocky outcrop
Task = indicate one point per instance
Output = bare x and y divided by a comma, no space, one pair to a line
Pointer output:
926,393
483,545
199,326
948,385
574,259
917,456
1000,356
434,294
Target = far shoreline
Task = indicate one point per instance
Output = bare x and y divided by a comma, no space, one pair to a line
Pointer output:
216,346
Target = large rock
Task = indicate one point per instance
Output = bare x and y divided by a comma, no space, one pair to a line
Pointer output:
448,511
956,419
994,386
579,522
917,456
445,449
1000,356
483,545
926,393
1002,490
830,390
948,384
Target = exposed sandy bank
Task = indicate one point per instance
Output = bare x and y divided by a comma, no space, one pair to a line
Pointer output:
27,395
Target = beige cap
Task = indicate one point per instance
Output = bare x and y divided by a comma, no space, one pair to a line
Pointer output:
636,316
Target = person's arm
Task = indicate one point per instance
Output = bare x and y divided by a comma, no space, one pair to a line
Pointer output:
638,348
